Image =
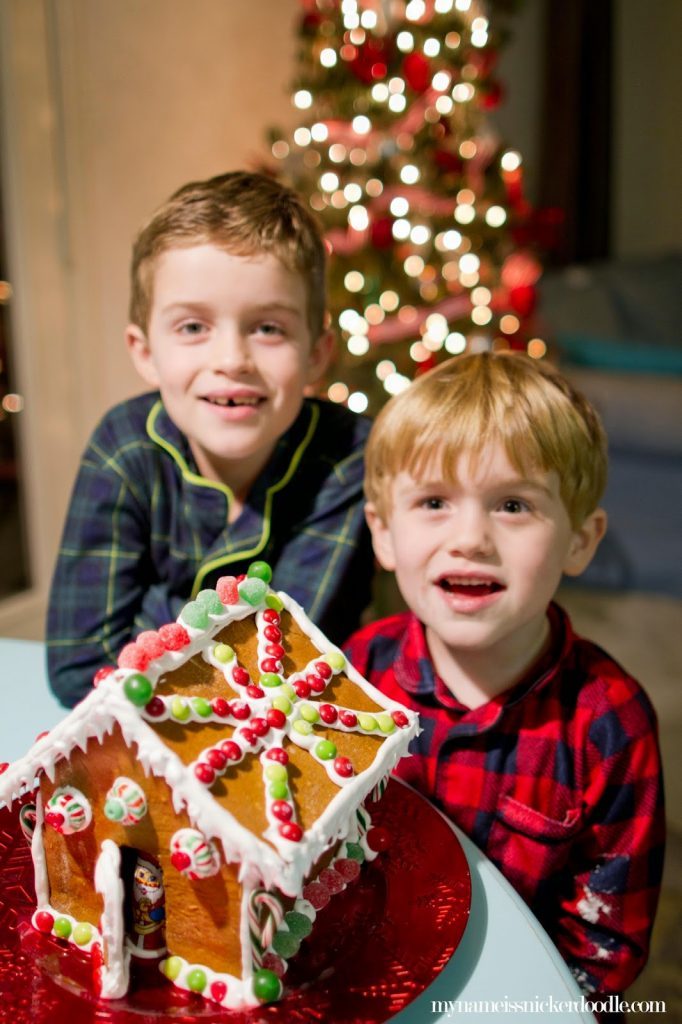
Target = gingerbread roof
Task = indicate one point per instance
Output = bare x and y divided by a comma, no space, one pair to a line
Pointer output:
267,737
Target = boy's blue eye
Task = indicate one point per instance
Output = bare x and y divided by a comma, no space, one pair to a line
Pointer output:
433,504
514,506
191,327
270,330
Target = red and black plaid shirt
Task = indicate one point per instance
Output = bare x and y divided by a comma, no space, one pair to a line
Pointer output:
558,781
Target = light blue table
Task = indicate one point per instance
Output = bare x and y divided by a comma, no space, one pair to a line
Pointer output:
505,955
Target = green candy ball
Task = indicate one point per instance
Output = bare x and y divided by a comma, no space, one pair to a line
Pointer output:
282,704
298,924
180,710
223,653
303,727
274,602
367,722
82,933
209,600
196,980
310,713
113,810
266,986
386,723
276,773
62,927
252,590
270,679
138,689
194,614
202,707
325,750
259,571
335,660
172,967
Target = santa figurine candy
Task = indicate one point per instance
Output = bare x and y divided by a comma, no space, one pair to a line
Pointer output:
149,913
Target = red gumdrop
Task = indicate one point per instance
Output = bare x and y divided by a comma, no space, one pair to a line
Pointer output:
217,758
315,682
276,718
277,753
275,964
240,676
302,689
270,665
240,710
180,860
347,868
378,839
291,831
102,674
226,588
260,726
174,636
272,633
151,643
133,656
43,921
343,766
328,713
231,749
282,810
348,719
220,707
316,894
271,616
400,719
218,991
155,707
204,773
275,651
323,669
331,880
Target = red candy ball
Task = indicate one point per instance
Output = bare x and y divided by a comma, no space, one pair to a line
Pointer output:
270,665
328,713
400,719
221,707
180,861
240,676
231,749
282,810
174,636
204,773
315,682
155,707
275,651
343,767
254,691
101,674
331,880
276,718
323,669
378,839
271,616
218,991
302,689
249,736
43,921
272,633
278,754
347,868
348,719
217,758
316,894
260,726
240,710
291,831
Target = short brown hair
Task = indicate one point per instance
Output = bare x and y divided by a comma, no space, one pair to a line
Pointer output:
471,401
244,213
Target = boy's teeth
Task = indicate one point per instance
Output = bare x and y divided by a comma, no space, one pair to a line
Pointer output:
231,402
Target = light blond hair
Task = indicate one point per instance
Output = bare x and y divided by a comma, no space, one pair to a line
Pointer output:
246,214
470,402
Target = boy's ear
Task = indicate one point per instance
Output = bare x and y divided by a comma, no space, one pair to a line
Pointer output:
585,542
320,356
382,541
141,354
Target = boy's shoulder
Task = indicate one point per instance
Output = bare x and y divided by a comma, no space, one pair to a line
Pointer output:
125,422
339,433
374,646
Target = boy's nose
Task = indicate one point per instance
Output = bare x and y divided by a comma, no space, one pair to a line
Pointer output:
231,353
470,535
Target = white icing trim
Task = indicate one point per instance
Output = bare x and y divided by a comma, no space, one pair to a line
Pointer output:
108,882
38,854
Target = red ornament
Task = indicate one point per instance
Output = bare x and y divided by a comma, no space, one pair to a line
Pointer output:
447,161
523,299
378,839
371,60
492,96
180,861
417,71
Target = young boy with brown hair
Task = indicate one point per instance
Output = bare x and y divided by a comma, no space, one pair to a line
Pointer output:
483,482
225,460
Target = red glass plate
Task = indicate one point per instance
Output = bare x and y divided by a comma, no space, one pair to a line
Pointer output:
375,947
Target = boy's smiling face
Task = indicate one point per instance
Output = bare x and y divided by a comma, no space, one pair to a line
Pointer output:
229,346
479,560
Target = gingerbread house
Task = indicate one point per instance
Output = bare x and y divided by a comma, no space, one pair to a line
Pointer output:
225,764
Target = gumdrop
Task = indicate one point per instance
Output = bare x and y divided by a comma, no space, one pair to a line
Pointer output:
227,589
316,894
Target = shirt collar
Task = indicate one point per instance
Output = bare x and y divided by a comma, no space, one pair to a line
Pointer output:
415,672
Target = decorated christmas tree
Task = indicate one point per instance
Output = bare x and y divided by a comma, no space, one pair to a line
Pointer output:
422,205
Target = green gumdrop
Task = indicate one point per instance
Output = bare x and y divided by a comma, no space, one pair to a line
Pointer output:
223,653
367,722
62,927
286,944
253,590
282,704
270,679
274,602
202,707
138,689
196,980
114,810
310,713
335,660
276,773
279,791
179,709
260,571
325,750
298,924
194,614
82,933
172,967
386,723
355,852
266,985
303,727
211,602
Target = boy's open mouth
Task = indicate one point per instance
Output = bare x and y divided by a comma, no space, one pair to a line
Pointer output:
469,586
233,403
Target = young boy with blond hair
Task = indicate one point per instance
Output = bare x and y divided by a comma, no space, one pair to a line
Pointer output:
483,483
225,460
